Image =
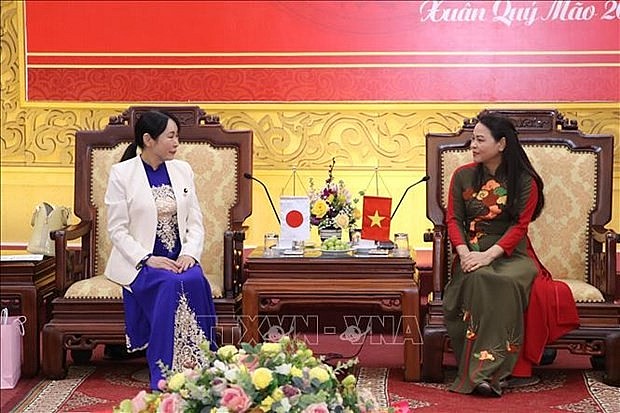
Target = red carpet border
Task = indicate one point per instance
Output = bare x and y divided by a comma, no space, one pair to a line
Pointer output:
99,387
50,395
606,396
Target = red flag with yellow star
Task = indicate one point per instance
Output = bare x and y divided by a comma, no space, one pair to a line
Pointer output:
376,218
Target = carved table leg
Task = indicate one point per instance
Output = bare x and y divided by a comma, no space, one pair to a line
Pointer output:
411,334
28,302
250,314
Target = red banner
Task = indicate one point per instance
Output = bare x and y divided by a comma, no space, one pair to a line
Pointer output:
323,51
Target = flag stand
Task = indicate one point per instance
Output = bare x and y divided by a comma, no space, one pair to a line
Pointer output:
294,178
376,178
376,212
295,212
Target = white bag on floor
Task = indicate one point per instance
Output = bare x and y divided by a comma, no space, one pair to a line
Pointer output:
11,333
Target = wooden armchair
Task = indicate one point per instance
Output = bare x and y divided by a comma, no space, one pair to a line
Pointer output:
569,237
89,310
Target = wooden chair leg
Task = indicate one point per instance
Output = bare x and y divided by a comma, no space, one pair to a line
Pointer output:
612,360
432,353
54,354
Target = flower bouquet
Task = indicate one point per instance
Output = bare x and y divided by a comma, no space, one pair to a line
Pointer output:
332,206
283,376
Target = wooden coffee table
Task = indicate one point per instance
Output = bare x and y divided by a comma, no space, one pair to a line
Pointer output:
313,280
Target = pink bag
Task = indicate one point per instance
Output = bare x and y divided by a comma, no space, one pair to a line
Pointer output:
11,332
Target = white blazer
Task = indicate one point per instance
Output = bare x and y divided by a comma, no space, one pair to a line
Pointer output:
132,216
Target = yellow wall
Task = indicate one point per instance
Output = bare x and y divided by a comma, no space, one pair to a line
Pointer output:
23,187
38,138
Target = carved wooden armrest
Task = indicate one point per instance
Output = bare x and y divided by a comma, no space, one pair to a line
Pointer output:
70,263
439,238
603,261
233,262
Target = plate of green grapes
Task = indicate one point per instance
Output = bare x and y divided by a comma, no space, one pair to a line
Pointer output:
334,246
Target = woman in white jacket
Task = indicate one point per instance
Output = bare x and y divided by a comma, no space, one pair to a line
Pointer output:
157,233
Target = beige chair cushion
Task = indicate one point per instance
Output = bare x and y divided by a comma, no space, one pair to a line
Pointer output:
584,292
101,287
96,287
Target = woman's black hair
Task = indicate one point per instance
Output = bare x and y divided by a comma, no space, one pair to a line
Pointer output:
514,162
152,122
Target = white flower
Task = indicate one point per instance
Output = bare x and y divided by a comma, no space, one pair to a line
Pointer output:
220,365
231,375
284,369
284,406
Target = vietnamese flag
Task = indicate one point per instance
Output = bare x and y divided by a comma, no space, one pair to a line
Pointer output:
376,218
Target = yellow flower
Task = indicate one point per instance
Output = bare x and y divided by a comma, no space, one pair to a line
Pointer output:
342,220
271,348
261,378
277,394
226,352
319,209
349,381
357,214
296,372
176,382
319,373
265,405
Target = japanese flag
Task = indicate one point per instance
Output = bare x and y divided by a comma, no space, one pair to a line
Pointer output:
294,218
376,218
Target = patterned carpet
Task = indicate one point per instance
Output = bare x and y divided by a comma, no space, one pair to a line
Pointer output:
99,387
579,391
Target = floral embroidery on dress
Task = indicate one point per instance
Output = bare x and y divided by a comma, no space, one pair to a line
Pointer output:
512,347
472,327
513,344
484,355
487,204
470,334
167,223
466,315
187,338
129,346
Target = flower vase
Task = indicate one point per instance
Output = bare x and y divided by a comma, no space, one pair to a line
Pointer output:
326,233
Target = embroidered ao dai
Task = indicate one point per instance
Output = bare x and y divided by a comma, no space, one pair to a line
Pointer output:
169,314
484,309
